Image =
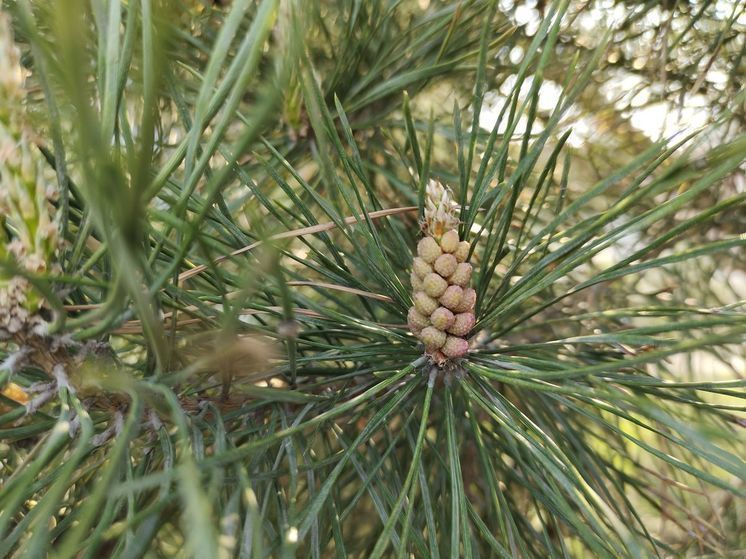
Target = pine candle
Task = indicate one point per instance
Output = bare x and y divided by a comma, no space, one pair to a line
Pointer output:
26,202
443,311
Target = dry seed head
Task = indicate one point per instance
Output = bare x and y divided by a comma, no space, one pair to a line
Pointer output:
432,338
462,275
434,285
424,303
428,249
442,318
445,265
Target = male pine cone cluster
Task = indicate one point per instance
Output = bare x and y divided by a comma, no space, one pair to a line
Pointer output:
443,311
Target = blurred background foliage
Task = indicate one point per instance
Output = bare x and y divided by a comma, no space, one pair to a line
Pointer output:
225,370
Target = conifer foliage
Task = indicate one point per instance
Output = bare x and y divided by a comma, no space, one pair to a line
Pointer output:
333,278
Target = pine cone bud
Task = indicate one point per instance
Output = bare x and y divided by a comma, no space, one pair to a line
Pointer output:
449,241
424,303
432,338
462,275
428,249
420,267
468,300
442,318
416,320
434,285
416,282
462,324
455,347
462,252
445,265
452,297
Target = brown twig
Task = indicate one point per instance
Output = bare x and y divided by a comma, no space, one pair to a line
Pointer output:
320,228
